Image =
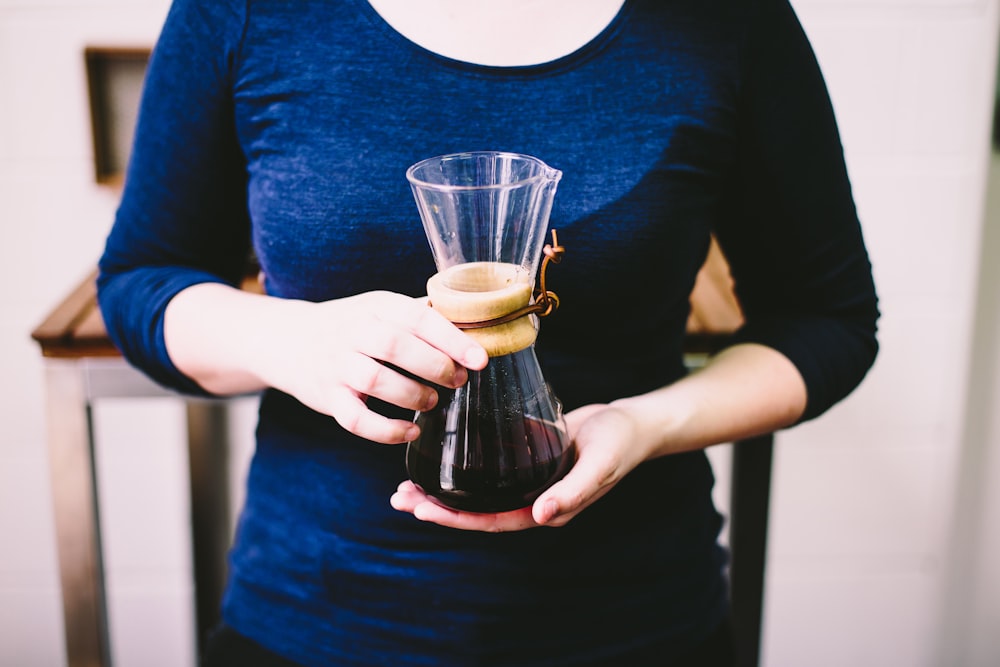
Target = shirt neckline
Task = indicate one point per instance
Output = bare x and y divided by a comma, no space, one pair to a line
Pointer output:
568,61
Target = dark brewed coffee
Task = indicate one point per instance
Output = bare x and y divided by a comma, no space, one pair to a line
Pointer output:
495,465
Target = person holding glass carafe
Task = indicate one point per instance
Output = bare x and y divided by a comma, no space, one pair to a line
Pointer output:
287,128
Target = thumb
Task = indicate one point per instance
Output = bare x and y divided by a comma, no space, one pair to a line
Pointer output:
603,437
590,478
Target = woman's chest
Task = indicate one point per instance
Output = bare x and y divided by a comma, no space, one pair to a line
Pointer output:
331,114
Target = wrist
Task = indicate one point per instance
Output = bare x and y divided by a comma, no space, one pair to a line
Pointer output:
226,339
273,337
661,420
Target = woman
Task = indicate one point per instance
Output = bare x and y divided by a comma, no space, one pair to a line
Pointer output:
288,126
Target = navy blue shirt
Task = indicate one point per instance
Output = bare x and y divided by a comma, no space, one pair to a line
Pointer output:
288,126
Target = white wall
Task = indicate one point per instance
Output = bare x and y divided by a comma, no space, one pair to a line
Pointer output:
53,220
868,564
971,609
865,497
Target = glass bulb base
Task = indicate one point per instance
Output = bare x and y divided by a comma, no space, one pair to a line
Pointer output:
494,444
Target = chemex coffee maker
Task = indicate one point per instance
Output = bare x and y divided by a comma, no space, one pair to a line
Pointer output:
496,443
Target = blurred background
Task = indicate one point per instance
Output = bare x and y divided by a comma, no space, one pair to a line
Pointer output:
884,539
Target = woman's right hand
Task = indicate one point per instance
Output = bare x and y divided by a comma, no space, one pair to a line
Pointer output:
331,356
341,352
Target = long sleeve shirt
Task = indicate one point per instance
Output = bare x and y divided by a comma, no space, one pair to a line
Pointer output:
287,127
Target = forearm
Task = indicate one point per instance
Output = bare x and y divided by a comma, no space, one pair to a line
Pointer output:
219,336
746,390
331,356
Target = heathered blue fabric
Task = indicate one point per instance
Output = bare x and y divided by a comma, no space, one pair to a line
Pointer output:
290,124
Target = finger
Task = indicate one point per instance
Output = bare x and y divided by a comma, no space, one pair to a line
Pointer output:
593,475
354,416
491,523
404,350
407,485
368,377
432,327
409,498
603,438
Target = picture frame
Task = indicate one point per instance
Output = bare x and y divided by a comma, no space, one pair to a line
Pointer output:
115,77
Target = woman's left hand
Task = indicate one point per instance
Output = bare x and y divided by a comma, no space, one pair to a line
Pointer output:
608,448
743,391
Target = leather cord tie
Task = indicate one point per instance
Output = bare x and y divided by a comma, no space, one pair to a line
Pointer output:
545,301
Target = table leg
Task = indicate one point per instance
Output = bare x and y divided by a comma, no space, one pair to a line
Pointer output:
208,458
74,497
750,503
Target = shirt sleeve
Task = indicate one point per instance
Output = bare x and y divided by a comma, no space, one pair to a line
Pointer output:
183,216
790,230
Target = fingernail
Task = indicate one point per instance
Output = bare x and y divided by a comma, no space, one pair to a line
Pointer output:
476,357
429,401
412,433
460,377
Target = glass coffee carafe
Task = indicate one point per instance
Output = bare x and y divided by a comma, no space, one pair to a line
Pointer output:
496,443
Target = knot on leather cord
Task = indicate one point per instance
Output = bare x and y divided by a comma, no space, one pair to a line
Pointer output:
545,301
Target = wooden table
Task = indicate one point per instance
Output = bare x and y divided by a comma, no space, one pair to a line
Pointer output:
82,366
